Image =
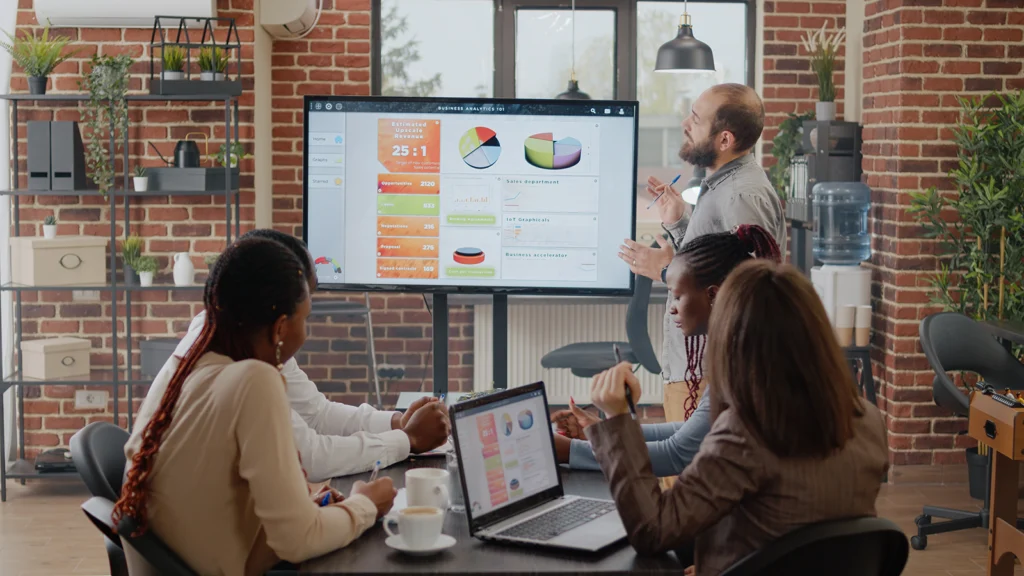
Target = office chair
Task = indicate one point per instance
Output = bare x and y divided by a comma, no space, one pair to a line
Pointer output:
954,343
586,359
98,453
152,549
853,547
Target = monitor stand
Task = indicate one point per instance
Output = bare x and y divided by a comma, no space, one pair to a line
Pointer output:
500,346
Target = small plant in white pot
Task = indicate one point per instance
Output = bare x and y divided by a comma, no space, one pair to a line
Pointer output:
146,268
174,63
139,179
213,61
50,227
823,49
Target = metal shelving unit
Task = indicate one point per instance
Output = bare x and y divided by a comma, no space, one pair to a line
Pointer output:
114,376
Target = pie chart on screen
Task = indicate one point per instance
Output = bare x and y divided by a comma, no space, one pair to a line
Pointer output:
543,151
480,148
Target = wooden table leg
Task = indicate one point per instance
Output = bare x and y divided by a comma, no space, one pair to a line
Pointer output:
1002,545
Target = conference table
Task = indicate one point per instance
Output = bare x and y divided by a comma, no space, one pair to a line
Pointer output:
370,556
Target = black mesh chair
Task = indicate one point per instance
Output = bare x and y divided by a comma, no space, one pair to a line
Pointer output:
855,547
153,550
954,343
586,359
98,453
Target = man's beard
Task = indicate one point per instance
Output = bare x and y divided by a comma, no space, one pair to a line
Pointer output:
702,155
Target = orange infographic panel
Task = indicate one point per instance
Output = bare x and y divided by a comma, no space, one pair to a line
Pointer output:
408,184
409,145
493,467
407,247
406,268
407,226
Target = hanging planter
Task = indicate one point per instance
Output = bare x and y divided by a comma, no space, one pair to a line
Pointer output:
171,35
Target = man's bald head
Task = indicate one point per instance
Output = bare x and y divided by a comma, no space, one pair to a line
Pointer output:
740,111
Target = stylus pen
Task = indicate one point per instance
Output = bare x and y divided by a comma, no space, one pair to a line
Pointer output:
658,197
629,391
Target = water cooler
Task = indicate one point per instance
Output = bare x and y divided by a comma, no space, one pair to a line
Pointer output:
830,225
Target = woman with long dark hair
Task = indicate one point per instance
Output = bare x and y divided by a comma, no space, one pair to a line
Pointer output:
217,476
791,442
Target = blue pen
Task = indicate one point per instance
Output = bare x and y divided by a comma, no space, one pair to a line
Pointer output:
326,499
376,469
670,185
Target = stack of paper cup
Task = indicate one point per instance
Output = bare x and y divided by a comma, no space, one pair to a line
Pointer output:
862,325
846,316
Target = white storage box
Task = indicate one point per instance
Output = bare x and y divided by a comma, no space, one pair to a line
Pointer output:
61,261
55,358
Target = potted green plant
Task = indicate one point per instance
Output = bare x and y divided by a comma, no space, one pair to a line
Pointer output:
105,115
139,179
174,63
823,49
131,253
784,148
213,61
981,248
210,260
37,56
146,267
50,227
237,154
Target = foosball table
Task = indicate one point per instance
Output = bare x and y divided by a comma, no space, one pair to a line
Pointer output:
997,421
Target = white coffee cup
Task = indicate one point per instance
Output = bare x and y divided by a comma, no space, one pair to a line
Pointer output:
427,487
418,526
862,325
846,316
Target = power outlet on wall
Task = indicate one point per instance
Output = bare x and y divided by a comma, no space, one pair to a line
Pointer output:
85,295
90,399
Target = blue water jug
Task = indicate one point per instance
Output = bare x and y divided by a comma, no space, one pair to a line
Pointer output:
841,216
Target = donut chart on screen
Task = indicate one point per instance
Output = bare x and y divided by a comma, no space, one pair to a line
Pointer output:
543,151
480,148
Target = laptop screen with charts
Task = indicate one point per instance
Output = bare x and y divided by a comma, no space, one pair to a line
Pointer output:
506,454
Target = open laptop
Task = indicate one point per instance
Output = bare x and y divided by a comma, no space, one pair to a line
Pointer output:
510,478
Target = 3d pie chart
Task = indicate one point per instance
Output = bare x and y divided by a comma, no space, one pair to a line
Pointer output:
543,151
468,256
480,148
526,419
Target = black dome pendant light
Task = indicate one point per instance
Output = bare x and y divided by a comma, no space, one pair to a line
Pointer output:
684,53
573,92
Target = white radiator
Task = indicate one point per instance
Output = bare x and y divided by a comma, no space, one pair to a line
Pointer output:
536,329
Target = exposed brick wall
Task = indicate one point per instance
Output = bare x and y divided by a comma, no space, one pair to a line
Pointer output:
334,59
789,84
918,58
194,225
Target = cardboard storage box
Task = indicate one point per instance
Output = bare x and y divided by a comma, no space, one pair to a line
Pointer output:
61,261
55,358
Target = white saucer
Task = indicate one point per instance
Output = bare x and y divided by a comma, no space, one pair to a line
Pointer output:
444,542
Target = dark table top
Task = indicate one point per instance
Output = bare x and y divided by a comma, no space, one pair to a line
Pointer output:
369,554
1012,331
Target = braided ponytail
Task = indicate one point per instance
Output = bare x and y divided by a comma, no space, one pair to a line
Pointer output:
710,258
253,283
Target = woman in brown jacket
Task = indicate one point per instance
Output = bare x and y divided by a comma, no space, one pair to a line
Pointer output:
791,442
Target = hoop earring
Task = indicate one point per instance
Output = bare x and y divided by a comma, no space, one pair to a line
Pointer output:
277,354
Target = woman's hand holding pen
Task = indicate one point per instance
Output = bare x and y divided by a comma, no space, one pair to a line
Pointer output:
608,391
381,492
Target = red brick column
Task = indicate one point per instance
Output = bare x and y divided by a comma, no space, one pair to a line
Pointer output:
917,60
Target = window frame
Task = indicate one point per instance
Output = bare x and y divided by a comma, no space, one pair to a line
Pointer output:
625,41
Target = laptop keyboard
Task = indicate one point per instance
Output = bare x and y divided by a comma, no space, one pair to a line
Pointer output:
560,520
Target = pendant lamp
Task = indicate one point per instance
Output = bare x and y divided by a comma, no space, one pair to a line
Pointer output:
573,92
684,53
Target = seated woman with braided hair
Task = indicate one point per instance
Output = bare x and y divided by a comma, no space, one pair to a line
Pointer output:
694,276
216,474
